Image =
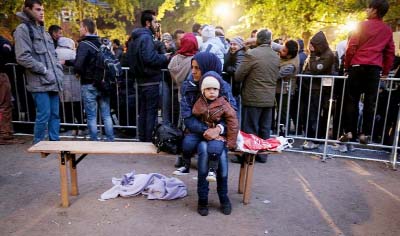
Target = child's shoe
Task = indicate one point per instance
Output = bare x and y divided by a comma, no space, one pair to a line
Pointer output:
211,177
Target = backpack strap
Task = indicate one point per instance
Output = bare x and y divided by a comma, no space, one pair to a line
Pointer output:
91,45
209,48
30,30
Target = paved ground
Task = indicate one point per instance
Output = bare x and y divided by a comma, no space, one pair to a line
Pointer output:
293,194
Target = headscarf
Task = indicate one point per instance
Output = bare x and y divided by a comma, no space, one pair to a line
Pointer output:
208,62
189,45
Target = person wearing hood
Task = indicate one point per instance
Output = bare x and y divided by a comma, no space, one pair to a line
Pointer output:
202,63
211,108
302,55
319,62
34,50
258,73
211,43
146,64
369,57
180,64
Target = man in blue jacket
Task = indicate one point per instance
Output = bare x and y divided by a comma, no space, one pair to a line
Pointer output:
146,63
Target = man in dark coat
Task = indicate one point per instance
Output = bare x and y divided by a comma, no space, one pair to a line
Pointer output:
146,64
258,72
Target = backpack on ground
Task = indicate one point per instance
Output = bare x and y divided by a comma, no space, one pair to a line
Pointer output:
108,68
167,138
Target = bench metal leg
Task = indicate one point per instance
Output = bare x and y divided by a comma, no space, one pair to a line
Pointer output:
74,175
249,166
242,177
63,179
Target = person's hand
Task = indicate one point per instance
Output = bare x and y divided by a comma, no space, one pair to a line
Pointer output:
250,42
62,62
168,55
384,77
212,133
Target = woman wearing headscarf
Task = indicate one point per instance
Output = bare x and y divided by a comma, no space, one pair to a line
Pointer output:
202,63
180,64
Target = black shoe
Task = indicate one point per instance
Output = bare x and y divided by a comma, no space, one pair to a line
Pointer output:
262,158
202,210
226,208
178,162
237,159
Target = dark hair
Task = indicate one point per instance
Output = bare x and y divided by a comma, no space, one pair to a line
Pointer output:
29,3
147,15
219,27
178,31
196,27
264,36
293,48
90,25
117,42
381,6
54,29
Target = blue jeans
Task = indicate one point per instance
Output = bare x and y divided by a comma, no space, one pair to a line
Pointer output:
148,108
47,116
222,175
190,144
91,99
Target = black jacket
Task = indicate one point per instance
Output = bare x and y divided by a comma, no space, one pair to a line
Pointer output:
7,54
85,61
144,60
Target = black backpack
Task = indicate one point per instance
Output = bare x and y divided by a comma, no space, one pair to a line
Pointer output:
167,138
108,68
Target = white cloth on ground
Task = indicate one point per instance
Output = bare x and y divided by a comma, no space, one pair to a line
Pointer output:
154,185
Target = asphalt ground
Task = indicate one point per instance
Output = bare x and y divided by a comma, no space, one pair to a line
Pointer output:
292,194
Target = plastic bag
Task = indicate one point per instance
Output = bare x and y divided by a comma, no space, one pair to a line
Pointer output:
251,143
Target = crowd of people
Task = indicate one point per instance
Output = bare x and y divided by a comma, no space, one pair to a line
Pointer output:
222,85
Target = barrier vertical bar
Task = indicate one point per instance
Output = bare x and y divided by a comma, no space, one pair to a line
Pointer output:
396,142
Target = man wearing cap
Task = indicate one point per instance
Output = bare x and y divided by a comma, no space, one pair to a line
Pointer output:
258,73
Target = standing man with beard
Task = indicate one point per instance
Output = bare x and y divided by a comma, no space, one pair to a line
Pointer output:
34,50
146,64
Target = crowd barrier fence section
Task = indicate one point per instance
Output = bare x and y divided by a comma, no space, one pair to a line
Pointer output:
308,108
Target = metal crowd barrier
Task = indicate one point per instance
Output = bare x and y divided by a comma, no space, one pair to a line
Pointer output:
292,112
294,122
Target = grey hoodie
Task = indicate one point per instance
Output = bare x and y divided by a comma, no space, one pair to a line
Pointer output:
42,70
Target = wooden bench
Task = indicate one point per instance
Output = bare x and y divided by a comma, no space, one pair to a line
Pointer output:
67,152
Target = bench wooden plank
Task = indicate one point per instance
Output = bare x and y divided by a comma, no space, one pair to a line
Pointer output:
67,151
95,147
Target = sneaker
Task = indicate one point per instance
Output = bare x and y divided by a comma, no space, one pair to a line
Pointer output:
340,147
309,145
226,208
178,162
211,177
181,171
